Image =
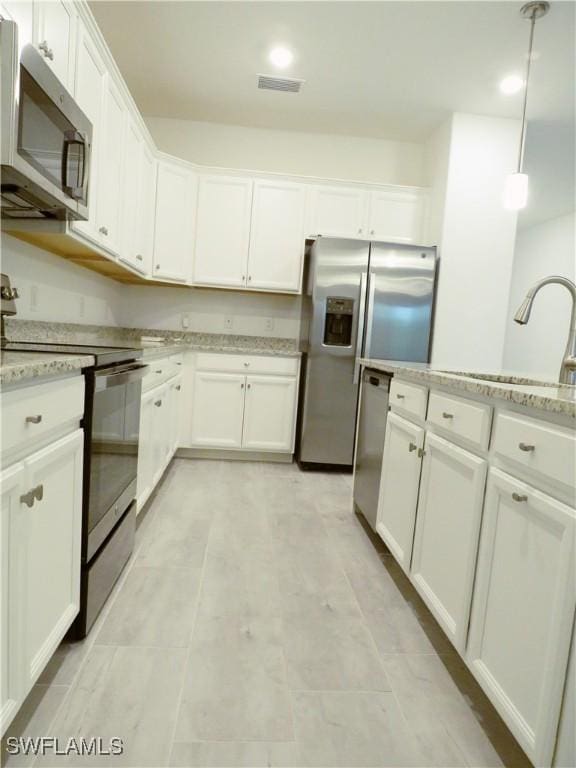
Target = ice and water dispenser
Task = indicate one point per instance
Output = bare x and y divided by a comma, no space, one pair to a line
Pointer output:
338,322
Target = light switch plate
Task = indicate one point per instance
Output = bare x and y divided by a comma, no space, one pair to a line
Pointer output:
269,324
228,322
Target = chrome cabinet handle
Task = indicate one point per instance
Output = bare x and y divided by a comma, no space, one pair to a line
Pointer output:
446,415
412,447
178,387
372,232
103,231
34,419
139,257
249,278
249,386
526,447
178,363
241,386
243,278
359,230
400,397
421,453
34,494
246,365
519,496
158,403
48,52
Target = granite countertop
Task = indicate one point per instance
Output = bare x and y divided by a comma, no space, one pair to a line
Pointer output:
21,366
211,342
522,390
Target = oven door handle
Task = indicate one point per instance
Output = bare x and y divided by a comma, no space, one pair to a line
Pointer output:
76,191
126,375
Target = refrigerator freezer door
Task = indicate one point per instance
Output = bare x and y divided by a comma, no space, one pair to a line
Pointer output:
330,391
400,302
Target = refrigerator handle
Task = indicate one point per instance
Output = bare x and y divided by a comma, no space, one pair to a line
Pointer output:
360,331
371,292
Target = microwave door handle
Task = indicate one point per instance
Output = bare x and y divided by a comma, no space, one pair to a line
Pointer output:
360,331
78,139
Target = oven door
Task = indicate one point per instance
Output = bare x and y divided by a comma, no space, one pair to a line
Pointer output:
113,448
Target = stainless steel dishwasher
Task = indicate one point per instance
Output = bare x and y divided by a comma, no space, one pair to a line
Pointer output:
370,447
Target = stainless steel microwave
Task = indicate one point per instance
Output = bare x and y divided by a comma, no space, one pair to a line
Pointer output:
45,138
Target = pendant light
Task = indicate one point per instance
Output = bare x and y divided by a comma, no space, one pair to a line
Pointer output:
516,192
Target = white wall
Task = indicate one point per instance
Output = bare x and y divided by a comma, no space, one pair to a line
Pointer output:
65,292
544,249
293,152
207,310
476,243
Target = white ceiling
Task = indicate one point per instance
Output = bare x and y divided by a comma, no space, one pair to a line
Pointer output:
381,69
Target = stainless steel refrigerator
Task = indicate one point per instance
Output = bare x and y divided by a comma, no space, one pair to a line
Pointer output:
362,299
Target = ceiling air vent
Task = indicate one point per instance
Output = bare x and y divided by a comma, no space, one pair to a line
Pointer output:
273,83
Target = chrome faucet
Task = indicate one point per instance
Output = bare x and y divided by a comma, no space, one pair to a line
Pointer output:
568,367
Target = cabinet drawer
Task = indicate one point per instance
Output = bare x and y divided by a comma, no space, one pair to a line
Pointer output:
285,366
30,413
545,450
409,399
463,418
161,369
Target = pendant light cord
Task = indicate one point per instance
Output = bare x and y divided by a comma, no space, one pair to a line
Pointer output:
523,130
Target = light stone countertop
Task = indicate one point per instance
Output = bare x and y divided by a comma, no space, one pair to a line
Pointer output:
22,366
522,390
246,345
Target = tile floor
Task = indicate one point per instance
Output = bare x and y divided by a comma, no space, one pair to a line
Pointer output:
260,624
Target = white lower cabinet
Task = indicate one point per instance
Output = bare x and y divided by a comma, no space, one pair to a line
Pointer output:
399,487
447,530
218,409
269,413
524,609
40,531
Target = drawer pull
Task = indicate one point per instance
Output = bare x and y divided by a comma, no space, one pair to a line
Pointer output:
139,257
246,365
399,396
526,447
178,363
34,419
421,453
412,447
158,403
446,415
519,496
178,387
35,494
158,371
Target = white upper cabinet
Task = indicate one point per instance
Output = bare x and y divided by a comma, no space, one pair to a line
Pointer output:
399,487
277,237
173,236
89,93
110,169
447,531
269,413
55,35
523,609
139,201
222,231
338,212
22,12
396,216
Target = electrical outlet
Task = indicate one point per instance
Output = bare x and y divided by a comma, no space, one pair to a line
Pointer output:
33,298
82,307
228,323
185,321
269,324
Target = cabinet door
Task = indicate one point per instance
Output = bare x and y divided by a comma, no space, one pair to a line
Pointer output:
447,533
270,413
56,37
12,559
22,12
175,413
53,549
145,450
523,609
110,169
277,236
89,93
160,431
222,230
218,410
399,487
173,237
396,217
132,183
146,210
339,212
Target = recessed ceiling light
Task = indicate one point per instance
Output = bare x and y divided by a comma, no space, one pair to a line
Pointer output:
511,84
281,57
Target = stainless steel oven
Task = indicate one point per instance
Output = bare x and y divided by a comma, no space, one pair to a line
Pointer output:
45,138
